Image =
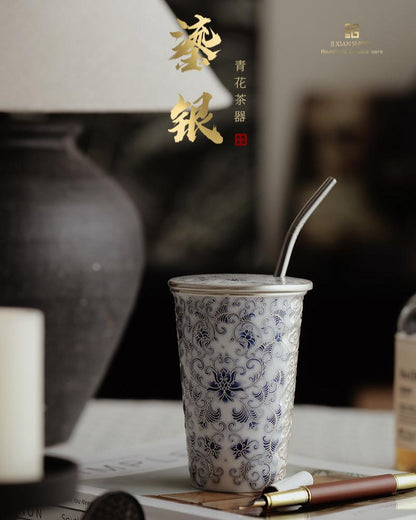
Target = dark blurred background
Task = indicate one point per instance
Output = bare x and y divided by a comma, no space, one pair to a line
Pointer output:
204,206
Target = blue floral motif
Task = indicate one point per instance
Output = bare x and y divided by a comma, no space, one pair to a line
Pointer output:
269,445
225,384
247,337
263,393
202,336
275,417
279,325
241,449
207,415
246,415
211,447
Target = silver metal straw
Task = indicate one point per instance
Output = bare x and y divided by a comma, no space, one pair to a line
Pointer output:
297,225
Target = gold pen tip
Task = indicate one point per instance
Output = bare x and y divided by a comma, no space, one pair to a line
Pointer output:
405,481
259,502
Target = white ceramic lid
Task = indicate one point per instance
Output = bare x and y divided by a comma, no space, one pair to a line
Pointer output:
238,284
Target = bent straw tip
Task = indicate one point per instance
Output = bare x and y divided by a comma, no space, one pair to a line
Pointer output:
298,223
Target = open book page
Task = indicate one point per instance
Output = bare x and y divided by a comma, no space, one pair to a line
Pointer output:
158,478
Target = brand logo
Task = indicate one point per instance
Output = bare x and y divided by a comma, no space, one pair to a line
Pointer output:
352,30
351,44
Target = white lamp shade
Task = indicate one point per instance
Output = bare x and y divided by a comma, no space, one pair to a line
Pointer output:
95,56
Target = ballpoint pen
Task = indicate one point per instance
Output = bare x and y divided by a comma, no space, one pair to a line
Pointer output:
337,491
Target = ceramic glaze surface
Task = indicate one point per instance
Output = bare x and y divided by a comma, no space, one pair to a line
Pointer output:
72,246
238,358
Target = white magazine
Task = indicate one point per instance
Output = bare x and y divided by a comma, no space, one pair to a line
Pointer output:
161,469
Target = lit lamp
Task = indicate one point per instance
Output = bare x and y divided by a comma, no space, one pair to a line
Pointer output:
70,240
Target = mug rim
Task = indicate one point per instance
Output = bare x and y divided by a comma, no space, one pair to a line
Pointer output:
238,284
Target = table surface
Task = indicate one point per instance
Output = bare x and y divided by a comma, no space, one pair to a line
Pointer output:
107,428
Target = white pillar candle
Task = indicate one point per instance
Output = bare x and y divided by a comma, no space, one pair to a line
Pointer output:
21,394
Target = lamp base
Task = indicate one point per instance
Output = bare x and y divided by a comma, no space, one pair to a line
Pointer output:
58,485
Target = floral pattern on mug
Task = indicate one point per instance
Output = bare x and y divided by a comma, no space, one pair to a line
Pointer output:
238,359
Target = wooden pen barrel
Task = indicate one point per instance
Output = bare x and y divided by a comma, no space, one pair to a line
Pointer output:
352,489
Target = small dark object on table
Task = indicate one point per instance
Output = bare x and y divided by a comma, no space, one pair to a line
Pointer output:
115,505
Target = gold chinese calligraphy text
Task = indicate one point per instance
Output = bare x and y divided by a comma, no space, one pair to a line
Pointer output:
195,49
188,119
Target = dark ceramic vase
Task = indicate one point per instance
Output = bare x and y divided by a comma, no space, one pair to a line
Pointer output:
71,245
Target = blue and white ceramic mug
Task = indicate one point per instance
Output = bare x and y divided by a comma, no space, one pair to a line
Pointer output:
238,339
